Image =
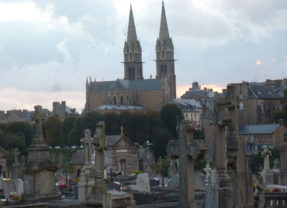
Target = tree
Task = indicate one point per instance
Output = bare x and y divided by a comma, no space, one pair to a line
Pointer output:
160,141
171,115
67,127
19,127
154,121
112,123
53,130
89,121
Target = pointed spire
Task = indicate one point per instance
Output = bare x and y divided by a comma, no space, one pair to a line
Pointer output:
163,31
132,34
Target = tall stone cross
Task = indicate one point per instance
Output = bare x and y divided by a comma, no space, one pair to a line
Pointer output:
38,117
88,141
189,152
98,195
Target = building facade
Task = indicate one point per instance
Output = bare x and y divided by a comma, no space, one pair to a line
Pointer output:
133,91
257,136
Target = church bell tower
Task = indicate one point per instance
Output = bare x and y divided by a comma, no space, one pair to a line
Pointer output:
165,59
132,52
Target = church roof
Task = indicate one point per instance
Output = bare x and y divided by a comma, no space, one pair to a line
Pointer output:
262,92
120,107
258,129
122,85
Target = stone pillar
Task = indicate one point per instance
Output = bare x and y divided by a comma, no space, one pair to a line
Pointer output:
283,166
187,197
224,189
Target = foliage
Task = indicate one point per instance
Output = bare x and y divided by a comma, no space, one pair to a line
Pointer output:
163,166
200,164
256,161
66,127
136,172
112,123
19,127
53,131
160,141
171,115
199,134
16,135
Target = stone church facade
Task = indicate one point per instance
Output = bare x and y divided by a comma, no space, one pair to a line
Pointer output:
133,91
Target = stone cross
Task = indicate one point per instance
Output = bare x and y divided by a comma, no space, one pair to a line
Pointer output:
88,146
38,117
122,131
266,153
98,195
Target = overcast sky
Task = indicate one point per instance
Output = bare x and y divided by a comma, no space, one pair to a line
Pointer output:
49,47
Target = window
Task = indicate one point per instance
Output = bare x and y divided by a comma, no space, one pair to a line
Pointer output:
122,100
115,100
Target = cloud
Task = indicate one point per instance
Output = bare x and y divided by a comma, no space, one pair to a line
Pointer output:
52,46
11,98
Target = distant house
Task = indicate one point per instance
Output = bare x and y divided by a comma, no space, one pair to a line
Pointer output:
191,110
257,102
257,136
62,111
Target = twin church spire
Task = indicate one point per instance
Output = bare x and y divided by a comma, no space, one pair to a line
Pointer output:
133,52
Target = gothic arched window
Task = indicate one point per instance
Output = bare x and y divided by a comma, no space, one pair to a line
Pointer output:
115,100
122,100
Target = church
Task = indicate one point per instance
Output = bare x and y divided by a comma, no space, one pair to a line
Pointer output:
133,92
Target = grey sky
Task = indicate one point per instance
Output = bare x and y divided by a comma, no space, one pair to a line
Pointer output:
49,47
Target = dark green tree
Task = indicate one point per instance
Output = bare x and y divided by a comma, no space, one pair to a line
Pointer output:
171,115
89,121
19,127
53,131
160,141
68,125
154,121
112,123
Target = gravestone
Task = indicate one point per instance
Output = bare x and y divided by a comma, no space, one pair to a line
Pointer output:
39,171
267,174
173,181
87,178
142,183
